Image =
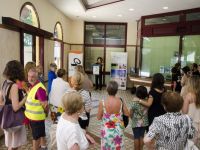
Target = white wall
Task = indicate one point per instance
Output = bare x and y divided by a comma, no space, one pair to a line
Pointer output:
48,14
77,32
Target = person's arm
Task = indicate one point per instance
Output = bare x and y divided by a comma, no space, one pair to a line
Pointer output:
131,112
15,98
100,111
147,103
125,109
154,130
1,99
75,147
42,97
186,103
90,139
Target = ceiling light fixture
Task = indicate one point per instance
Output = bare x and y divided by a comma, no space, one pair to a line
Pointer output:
94,16
119,15
131,9
165,7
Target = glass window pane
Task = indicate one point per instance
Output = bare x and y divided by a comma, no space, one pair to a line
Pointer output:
28,50
94,34
159,54
108,57
193,16
57,53
29,16
162,20
58,32
191,49
91,55
115,34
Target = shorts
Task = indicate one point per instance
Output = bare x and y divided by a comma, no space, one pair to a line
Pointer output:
38,129
138,132
84,123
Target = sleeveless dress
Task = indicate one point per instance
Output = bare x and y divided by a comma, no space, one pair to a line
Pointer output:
112,131
194,113
16,136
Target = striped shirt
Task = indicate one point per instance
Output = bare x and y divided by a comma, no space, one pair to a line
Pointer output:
87,103
171,131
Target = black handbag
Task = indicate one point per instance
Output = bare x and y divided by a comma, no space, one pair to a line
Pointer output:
125,118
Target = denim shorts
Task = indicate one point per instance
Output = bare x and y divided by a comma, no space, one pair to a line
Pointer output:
138,132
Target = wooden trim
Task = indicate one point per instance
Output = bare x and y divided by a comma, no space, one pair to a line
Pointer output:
132,45
3,26
180,47
61,30
171,13
125,37
34,48
62,54
22,47
30,4
26,27
41,51
77,44
136,49
98,4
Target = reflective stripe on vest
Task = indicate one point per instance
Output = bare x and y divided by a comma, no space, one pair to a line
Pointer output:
34,110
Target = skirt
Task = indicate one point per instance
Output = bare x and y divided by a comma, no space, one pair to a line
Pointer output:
15,137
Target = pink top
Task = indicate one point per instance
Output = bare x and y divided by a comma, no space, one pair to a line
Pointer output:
40,94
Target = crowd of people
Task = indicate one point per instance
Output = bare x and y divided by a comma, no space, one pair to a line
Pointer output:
160,119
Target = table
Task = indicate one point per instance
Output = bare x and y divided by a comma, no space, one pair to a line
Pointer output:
145,81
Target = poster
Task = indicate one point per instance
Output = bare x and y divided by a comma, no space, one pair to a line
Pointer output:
119,68
75,58
96,69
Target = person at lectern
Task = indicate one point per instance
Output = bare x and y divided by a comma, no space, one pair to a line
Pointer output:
98,77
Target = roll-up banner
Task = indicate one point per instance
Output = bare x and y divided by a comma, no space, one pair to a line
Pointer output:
75,58
119,68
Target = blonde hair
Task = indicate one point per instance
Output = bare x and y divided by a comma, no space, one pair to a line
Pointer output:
77,80
193,86
72,102
80,69
29,65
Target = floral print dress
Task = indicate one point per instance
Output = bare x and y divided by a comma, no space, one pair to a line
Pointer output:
112,131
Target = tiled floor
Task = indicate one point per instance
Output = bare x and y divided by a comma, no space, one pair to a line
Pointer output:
94,127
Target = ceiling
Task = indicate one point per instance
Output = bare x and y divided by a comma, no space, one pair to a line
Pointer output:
119,12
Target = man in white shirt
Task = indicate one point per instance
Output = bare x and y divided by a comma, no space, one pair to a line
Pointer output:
59,87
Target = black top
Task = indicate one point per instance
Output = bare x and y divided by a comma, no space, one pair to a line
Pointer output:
6,87
196,73
156,109
175,77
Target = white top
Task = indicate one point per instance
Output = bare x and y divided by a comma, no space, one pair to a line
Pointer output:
194,113
58,89
68,134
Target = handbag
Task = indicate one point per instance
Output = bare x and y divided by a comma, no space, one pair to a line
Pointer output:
125,118
10,118
189,143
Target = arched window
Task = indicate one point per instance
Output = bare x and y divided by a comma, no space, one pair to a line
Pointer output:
58,36
28,14
58,31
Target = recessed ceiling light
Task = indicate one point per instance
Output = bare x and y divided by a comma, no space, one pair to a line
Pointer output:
119,15
94,16
164,19
165,7
131,9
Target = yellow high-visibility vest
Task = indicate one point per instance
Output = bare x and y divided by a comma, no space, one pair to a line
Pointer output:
34,109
